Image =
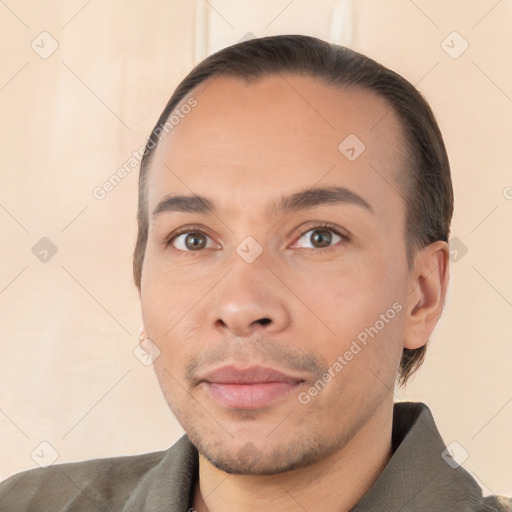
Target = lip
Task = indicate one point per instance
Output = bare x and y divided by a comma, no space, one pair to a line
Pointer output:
248,388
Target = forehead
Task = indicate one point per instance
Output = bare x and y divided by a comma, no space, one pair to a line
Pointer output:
277,134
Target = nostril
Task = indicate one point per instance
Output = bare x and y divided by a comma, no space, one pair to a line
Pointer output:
264,321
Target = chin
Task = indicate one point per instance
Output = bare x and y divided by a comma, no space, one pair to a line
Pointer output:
263,458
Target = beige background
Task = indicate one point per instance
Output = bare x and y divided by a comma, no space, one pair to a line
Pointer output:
69,326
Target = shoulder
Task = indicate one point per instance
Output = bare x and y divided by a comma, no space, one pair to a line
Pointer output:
89,483
497,504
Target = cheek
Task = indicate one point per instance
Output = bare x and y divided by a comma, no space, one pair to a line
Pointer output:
172,324
360,312
349,298
169,297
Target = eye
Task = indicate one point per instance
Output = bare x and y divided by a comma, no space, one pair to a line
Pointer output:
319,237
191,241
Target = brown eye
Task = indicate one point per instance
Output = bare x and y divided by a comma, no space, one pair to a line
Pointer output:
319,238
191,241
195,241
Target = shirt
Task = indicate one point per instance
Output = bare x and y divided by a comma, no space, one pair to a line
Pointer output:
420,476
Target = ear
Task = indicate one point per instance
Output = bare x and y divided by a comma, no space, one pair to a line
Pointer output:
428,283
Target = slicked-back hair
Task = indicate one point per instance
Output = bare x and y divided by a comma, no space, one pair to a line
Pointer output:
426,184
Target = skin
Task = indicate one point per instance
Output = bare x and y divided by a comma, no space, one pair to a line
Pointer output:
244,147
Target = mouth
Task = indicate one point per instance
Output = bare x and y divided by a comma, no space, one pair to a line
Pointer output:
248,388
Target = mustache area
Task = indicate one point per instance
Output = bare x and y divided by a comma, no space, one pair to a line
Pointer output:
260,351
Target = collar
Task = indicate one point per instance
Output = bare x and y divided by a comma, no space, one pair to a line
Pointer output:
416,479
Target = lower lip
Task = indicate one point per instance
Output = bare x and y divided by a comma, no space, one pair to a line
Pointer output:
249,396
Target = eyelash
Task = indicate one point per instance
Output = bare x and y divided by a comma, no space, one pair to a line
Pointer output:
324,226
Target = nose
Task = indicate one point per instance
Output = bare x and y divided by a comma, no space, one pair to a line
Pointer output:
250,299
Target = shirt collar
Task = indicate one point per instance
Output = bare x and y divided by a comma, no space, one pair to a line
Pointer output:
421,475
417,478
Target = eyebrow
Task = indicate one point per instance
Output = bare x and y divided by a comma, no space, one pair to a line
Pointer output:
302,200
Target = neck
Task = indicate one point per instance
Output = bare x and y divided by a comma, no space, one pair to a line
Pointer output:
341,479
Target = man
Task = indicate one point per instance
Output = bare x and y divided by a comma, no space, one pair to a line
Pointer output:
292,261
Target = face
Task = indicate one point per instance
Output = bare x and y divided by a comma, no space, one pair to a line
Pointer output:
277,300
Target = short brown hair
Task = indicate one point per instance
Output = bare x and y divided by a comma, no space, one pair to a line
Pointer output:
427,186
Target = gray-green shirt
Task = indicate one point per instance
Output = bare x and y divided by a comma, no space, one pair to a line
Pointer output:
420,477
